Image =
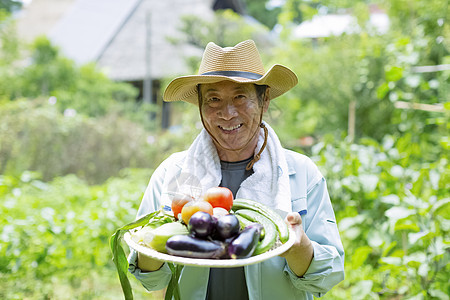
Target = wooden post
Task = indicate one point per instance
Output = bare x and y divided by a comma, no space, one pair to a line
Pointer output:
438,107
147,92
351,120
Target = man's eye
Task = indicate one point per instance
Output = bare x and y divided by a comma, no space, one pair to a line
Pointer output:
213,99
240,97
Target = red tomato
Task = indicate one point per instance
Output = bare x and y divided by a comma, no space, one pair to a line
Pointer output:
219,197
178,201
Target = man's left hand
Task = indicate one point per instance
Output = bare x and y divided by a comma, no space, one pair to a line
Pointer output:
300,255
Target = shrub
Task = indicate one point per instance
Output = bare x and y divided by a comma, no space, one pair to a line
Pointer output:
392,207
55,235
35,136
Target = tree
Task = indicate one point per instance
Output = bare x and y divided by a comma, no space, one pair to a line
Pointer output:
10,5
226,28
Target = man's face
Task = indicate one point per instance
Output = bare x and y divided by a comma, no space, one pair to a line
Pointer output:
231,113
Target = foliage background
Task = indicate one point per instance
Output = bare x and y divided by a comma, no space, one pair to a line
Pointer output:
72,170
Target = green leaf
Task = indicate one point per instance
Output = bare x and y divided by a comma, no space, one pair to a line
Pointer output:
375,238
382,90
349,222
390,260
360,256
389,248
419,258
413,237
119,257
391,199
438,294
442,207
398,213
120,260
369,182
173,289
423,270
439,247
394,74
362,289
406,226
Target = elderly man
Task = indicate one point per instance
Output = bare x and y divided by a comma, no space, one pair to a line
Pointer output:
240,151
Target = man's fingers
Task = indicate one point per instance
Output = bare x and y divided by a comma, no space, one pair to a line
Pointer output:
294,218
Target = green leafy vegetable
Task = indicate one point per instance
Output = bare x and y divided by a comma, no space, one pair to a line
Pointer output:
153,219
173,289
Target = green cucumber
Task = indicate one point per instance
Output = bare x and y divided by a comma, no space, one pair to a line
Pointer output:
243,222
270,230
269,213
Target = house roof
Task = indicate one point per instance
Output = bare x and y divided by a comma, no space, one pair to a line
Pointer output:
38,17
337,24
143,40
86,29
122,37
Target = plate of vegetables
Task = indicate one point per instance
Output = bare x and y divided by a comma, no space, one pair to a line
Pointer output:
214,231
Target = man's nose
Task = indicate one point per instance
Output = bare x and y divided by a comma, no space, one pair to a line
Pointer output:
228,111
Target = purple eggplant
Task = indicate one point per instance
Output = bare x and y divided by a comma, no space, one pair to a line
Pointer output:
201,224
245,243
189,246
227,227
258,227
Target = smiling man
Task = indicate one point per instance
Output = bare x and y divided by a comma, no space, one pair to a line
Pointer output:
232,113
240,151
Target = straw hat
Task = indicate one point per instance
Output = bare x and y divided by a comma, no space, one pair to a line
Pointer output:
241,63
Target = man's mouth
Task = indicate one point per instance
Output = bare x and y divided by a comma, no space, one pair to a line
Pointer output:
230,128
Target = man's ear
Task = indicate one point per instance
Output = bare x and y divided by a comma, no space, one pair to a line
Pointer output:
266,99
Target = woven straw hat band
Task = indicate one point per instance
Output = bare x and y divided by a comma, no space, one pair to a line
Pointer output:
244,57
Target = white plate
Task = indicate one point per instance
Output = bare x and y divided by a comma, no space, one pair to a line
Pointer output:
216,263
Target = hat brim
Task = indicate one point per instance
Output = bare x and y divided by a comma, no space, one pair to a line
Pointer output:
279,78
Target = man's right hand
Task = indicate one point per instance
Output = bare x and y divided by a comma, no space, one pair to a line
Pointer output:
147,264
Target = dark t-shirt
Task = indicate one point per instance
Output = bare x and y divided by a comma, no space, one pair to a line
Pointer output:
229,283
234,173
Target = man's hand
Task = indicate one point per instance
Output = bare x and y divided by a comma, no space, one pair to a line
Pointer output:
300,255
147,264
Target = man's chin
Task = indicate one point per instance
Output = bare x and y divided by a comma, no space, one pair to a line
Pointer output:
227,145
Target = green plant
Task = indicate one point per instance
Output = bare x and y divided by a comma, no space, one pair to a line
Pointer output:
392,207
55,235
36,136
225,28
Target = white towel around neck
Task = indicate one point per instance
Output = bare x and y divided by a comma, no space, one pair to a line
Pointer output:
269,184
